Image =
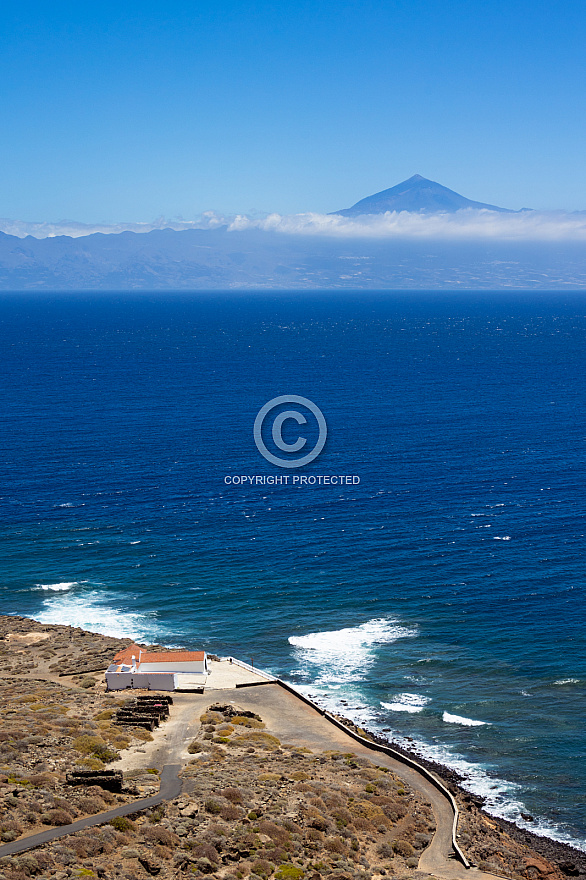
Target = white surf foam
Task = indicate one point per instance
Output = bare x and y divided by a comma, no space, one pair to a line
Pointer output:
407,703
352,707
59,588
93,610
345,655
460,719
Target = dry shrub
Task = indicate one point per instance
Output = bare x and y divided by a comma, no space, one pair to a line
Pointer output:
194,747
403,848
24,866
58,816
242,721
342,816
269,777
291,826
319,822
299,775
162,852
302,786
211,718
158,834
336,845
86,745
234,795
11,825
278,854
231,812
381,800
314,834
105,715
40,780
92,764
205,850
225,729
395,811
318,803
263,868
363,824
276,832
44,861
333,799
142,735
258,739
7,735
384,782
367,810
90,805
85,845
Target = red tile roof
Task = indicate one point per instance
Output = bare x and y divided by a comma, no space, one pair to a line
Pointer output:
126,655
172,656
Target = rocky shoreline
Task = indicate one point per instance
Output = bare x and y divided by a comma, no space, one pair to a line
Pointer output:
570,861
251,805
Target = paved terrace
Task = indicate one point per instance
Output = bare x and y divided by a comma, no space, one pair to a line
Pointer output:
229,673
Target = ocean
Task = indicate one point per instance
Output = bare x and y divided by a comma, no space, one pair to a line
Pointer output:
435,593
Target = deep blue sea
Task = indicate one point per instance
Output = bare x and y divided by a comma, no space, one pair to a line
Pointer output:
440,598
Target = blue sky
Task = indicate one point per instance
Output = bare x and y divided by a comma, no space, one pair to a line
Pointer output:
129,111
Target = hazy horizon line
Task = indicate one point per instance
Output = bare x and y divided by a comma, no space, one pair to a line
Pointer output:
467,223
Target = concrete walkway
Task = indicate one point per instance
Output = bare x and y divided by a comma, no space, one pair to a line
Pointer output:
226,675
170,788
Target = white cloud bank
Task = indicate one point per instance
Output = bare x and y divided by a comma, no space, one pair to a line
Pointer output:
466,224
472,225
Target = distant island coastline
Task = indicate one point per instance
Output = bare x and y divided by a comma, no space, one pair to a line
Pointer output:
417,235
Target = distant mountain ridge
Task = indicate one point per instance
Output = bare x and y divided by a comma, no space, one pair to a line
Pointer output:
217,259
417,195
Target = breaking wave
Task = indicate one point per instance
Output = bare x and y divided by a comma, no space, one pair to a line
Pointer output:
345,655
460,719
407,703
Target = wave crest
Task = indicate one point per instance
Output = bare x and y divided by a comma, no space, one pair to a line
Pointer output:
345,655
460,719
